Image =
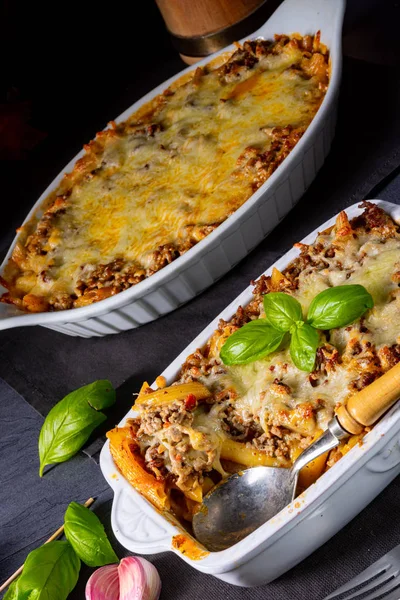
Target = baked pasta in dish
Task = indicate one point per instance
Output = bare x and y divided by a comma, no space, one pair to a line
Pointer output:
216,419
150,188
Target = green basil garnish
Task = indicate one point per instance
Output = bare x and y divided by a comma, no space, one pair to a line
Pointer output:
50,571
335,307
251,342
303,346
12,592
339,306
86,535
70,422
282,311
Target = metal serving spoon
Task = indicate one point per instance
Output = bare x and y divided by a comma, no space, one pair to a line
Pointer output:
244,501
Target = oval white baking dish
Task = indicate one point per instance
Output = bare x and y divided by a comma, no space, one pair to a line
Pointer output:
216,254
304,525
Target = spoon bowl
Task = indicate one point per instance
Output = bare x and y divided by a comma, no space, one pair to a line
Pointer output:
246,500
241,504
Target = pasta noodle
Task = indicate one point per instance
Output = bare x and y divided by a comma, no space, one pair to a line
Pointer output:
126,455
172,393
250,457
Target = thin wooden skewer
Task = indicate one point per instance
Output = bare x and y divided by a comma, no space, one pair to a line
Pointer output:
55,535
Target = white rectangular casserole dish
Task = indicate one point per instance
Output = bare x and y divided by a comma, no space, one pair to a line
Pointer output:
216,254
317,514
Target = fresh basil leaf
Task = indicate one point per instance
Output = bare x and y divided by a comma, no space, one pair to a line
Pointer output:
251,342
100,394
303,346
281,310
339,306
86,535
12,593
50,572
71,421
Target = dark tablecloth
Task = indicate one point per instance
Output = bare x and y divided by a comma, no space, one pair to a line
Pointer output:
40,366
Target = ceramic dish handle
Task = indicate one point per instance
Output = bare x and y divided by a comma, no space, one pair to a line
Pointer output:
365,407
136,529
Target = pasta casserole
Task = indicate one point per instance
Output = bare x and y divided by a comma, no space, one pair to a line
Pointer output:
150,188
219,418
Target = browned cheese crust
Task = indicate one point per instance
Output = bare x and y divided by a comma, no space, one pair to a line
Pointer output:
150,188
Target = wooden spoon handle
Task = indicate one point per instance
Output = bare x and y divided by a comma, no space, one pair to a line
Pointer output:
365,407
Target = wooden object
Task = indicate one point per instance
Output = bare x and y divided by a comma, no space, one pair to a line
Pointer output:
187,18
365,407
200,27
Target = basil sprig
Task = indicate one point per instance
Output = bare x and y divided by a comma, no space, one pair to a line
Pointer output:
282,311
335,307
86,534
303,346
251,342
71,421
339,306
50,571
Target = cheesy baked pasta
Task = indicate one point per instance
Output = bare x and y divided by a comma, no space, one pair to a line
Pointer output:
150,188
218,418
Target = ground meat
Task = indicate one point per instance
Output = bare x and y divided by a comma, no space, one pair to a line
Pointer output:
105,273
145,131
240,426
198,365
389,356
175,435
188,465
37,241
201,463
240,318
361,357
62,302
375,218
154,420
134,424
257,48
272,445
186,477
116,274
155,462
163,256
369,372
198,232
177,459
240,62
277,441
242,315
256,165
327,358
262,286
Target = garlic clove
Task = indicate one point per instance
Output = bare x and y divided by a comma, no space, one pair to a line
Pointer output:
103,584
134,578
138,579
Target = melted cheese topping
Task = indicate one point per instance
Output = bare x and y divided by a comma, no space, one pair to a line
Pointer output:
149,190
364,261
